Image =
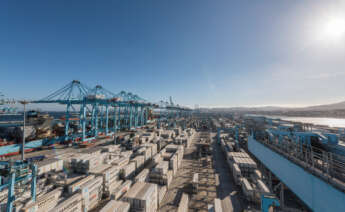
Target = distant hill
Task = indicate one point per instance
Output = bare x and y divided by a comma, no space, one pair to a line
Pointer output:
336,110
328,107
335,106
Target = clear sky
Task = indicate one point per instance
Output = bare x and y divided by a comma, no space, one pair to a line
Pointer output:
205,52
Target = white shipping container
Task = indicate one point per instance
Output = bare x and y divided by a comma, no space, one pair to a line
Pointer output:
161,193
157,158
71,204
121,161
247,189
143,197
171,148
148,154
116,206
169,178
142,176
139,161
122,189
183,205
45,202
111,188
262,187
162,167
218,205
91,193
128,170
75,186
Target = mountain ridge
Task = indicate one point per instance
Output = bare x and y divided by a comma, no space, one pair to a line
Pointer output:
323,107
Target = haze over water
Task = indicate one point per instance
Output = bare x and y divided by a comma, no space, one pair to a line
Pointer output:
331,122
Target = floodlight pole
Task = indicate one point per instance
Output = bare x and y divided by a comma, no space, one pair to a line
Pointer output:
24,103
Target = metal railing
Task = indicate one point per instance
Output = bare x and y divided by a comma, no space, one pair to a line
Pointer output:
329,166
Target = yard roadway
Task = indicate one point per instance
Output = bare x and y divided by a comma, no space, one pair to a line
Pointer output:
208,189
228,192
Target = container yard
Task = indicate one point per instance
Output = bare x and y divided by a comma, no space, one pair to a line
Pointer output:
176,160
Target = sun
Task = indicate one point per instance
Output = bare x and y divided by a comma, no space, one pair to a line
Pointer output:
334,29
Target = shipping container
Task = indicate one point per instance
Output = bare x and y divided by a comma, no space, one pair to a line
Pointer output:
142,197
121,190
183,204
139,162
45,202
128,171
75,186
116,206
71,204
218,205
161,168
142,176
162,190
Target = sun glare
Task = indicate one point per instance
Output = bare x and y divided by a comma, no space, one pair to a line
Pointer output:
334,29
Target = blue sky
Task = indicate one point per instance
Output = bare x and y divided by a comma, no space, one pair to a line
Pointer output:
210,53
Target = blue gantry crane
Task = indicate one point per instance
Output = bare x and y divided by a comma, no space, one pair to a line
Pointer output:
96,111
17,173
169,111
129,110
7,105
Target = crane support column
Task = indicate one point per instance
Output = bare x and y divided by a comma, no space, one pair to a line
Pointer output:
142,116
106,119
102,117
115,120
67,121
158,119
146,115
83,120
33,181
93,119
10,199
130,117
136,117
96,121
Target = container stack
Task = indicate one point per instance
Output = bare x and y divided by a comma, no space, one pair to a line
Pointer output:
183,205
195,183
156,159
91,193
121,190
45,202
218,205
73,187
84,163
111,158
128,171
147,154
49,165
143,176
147,137
162,190
247,189
173,164
71,204
160,174
142,197
110,176
116,206
180,153
247,166
139,162
121,162
236,172
111,148
244,171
